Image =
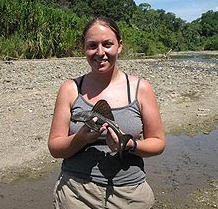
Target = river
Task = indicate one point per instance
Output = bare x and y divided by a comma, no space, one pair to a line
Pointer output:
187,165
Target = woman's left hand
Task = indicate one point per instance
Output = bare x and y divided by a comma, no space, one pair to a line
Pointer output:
112,140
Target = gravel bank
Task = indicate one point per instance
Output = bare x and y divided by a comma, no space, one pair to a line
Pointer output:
187,92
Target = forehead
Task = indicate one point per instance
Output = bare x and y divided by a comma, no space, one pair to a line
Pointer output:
100,31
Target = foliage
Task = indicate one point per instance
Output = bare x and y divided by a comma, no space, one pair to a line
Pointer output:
118,10
45,31
209,23
42,28
211,43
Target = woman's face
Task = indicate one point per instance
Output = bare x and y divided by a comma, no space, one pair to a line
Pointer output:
101,48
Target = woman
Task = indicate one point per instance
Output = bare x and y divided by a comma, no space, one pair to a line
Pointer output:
93,175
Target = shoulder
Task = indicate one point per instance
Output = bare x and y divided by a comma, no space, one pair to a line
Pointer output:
68,85
145,85
142,83
146,94
134,80
68,92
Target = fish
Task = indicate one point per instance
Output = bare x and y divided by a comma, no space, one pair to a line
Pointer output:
102,111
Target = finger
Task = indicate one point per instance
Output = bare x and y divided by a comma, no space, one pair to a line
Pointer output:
113,134
112,140
113,147
100,128
103,127
95,119
86,133
86,129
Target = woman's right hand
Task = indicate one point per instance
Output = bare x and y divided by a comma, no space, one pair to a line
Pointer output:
89,136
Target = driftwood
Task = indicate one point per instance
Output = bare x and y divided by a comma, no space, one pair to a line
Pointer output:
167,55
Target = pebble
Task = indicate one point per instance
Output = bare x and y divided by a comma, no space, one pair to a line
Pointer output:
28,90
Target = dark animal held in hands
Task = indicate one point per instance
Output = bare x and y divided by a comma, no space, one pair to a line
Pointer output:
102,111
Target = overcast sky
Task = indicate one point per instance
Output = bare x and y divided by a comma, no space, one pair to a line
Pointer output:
187,10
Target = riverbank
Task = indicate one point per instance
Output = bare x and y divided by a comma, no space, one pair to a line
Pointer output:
187,92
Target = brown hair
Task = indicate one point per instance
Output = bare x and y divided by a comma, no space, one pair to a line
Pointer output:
104,21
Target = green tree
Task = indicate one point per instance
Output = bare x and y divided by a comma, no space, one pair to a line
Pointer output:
211,43
45,28
117,10
209,23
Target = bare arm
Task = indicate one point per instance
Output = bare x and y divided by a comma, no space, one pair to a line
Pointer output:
154,137
60,144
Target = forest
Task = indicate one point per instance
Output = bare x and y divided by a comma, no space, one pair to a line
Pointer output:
35,29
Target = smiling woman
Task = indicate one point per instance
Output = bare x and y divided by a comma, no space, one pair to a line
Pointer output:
93,175
101,48
102,45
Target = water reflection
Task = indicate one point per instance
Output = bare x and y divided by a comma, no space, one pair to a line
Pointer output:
187,164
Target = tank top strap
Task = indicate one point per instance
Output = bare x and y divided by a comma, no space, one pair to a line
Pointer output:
137,88
79,84
128,89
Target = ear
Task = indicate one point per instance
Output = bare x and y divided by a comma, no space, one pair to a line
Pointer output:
120,46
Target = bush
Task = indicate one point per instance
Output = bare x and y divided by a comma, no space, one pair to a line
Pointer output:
13,47
44,31
212,43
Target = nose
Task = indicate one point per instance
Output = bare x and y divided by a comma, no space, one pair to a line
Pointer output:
100,50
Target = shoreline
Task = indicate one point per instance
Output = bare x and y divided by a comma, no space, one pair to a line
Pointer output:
187,92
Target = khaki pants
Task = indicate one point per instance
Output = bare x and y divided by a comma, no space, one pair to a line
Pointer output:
74,193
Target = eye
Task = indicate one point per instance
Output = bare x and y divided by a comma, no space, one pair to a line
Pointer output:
108,44
92,45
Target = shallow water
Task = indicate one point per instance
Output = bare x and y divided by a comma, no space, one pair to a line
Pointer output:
187,164
208,58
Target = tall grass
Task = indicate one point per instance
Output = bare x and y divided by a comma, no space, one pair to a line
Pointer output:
30,29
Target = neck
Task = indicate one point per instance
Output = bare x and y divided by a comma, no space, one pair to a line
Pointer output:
96,84
104,79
